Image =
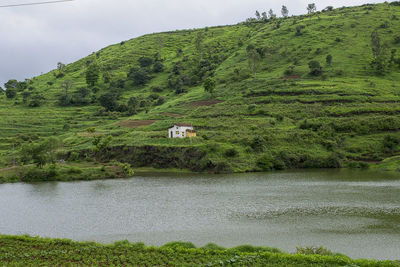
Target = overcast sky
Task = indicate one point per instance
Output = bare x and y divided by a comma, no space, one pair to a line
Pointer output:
34,38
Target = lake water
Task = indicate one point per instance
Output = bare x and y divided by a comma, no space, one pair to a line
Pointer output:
356,213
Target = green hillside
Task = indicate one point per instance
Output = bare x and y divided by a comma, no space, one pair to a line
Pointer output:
343,113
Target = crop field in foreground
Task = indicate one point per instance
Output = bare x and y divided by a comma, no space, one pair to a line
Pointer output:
34,251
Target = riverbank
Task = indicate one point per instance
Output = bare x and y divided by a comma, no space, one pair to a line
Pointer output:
65,172
35,251
88,171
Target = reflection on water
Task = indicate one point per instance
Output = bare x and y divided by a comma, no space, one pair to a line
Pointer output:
353,212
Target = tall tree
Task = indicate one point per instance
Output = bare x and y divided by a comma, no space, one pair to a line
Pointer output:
92,74
254,59
60,67
271,14
285,12
199,43
209,85
258,16
379,53
133,105
264,16
11,84
311,8
66,85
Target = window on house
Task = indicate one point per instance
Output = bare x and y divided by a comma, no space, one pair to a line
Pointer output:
177,132
183,134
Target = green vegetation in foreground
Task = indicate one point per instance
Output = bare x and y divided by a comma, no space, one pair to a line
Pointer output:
65,172
313,91
31,251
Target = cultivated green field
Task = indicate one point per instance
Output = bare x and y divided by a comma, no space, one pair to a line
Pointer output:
345,114
30,251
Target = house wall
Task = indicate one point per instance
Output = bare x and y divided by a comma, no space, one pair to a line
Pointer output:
178,131
191,134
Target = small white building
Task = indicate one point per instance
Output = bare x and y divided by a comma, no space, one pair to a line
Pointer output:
181,130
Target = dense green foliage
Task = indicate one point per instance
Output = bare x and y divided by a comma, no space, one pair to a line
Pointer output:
66,172
313,91
31,251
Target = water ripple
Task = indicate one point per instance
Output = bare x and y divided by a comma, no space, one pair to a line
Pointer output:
319,211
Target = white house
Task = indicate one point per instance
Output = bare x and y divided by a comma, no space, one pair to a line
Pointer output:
181,130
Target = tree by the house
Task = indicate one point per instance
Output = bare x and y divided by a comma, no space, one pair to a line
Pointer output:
92,74
284,12
254,60
209,85
311,8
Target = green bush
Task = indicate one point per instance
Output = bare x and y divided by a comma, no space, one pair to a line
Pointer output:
231,153
39,175
222,167
390,143
74,156
178,245
253,249
267,162
313,251
213,247
74,170
315,68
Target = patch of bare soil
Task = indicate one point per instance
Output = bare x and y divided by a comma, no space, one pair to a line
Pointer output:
204,103
173,115
135,123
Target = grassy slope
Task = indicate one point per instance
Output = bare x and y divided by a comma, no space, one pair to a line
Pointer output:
18,251
348,114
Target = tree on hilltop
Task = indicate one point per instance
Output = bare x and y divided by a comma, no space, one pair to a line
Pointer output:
311,8
60,69
258,16
271,14
11,88
285,12
264,16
